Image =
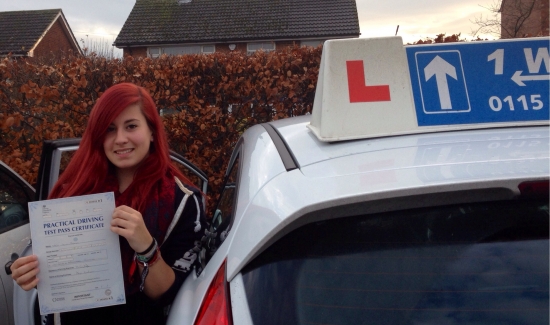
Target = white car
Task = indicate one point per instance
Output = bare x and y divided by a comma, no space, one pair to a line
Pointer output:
386,208
417,229
380,209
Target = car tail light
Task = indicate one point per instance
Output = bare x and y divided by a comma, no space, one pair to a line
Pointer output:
216,307
535,189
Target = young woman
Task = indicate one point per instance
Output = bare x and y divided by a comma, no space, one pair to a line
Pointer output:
160,221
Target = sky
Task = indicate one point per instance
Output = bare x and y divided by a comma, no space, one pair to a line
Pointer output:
96,23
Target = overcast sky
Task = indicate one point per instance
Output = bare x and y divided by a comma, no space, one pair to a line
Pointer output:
101,20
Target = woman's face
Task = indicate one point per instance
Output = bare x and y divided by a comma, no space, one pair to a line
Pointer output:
128,139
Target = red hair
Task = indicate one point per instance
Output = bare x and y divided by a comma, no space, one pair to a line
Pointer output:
89,167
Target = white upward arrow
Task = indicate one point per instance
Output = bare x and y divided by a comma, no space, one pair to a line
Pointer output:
441,68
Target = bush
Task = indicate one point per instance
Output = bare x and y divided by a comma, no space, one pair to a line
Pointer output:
207,101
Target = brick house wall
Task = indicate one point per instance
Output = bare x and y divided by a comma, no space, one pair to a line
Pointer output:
224,47
284,44
545,17
535,25
56,41
241,47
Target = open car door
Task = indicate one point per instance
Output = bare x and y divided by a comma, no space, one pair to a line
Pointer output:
15,193
56,155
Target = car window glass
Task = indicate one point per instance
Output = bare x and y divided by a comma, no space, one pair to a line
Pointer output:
221,221
189,174
227,198
66,157
479,263
13,203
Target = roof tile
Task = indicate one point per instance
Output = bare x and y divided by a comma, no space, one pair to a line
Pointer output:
167,22
20,30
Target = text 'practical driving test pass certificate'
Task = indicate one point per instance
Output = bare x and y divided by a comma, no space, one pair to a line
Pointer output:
78,254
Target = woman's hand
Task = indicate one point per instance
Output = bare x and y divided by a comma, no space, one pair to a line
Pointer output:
24,271
129,224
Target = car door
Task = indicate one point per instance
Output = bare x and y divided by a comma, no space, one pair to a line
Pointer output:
56,155
15,193
222,221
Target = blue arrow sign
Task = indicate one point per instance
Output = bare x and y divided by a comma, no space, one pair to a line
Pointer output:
480,82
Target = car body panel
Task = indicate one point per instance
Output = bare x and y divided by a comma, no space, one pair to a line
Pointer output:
258,146
187,303
239,302
13,240
308,150
455,156
25,302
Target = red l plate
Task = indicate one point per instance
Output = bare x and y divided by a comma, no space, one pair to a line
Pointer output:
359,92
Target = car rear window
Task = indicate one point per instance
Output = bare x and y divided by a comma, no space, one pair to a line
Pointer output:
482,263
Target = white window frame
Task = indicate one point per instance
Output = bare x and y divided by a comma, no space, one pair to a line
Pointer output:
183,49
154,55
203,49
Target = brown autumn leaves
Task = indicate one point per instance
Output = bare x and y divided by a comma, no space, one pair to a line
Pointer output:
207,101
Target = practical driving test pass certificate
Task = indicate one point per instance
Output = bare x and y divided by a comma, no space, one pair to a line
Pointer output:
78,254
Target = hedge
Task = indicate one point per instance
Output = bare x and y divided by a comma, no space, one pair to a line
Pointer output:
207,101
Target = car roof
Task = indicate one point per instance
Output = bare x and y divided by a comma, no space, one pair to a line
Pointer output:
388,173
309,151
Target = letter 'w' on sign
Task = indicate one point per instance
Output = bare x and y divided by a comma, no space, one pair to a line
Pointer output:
359,92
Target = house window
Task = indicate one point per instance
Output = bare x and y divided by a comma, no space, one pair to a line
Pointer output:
312,42
208,49
189,49
265,46
154,52
181,50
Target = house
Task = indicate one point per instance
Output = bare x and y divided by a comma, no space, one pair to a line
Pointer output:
35,33
156,27
524,18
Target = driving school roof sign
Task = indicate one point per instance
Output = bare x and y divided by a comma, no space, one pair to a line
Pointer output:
480,82
376,87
